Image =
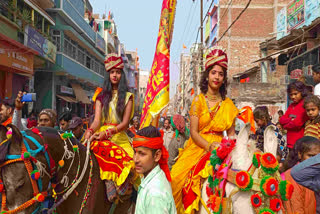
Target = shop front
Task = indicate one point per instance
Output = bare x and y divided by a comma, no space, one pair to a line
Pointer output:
16,67
300,67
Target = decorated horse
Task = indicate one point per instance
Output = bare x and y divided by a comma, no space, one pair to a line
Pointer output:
245,180
44,171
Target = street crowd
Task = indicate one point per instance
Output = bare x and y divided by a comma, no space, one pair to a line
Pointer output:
164,156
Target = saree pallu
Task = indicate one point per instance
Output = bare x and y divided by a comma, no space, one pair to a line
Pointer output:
193,162
113,119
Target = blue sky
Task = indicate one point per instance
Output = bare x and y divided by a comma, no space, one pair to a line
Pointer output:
138,22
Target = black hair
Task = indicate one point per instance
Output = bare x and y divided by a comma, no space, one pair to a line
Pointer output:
261,113
299,86
7,104
316,68
169,120
107,94
204,82
150,132
66,116
280,111
316,101
301,146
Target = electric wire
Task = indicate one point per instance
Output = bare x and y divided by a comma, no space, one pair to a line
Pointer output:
234,21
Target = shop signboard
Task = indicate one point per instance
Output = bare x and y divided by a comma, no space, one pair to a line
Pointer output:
66,90
12,57
295,14
43,46
282,23
312,11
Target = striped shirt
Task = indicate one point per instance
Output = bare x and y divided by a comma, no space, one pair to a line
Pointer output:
312,129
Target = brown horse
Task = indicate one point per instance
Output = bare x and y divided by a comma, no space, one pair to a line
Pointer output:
17,182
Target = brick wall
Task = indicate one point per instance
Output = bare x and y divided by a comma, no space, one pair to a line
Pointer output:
254,27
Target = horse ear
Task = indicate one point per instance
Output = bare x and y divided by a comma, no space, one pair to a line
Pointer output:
16,134
270,140
3,131
243,135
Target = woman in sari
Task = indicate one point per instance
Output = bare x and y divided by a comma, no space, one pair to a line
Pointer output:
113,107
211,113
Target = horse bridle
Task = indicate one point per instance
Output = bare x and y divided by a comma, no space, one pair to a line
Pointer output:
27,156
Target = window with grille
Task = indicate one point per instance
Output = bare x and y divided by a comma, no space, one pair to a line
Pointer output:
56,38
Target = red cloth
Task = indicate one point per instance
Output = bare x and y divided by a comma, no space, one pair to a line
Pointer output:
155,143
294,127
112,160
31,123
7,122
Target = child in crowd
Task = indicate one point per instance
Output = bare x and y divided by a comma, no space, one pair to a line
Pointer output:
303,200
307,173
312,107
263,120
316,78
295,117
280,114
151,157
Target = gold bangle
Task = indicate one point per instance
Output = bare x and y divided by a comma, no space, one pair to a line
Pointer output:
208,147
116,129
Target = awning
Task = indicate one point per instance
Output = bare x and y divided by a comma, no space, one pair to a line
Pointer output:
36,7
277,53
80,94
249,71
67,99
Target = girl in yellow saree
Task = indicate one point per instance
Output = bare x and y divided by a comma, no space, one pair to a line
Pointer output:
113,108
211,113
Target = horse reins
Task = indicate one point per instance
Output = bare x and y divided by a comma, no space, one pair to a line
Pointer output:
34,175
27,156
77,182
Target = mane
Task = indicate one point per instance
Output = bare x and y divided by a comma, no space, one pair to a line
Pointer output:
243,152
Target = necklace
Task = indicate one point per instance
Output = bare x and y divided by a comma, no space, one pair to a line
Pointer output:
213,98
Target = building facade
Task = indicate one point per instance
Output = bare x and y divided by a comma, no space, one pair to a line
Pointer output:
25,45
132,70
143,82
79,66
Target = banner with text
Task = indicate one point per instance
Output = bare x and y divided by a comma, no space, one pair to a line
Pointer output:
157,93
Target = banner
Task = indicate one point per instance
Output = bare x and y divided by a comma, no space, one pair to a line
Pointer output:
295,14
282,23
157,93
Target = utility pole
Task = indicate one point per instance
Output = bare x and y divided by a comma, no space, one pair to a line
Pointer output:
201,36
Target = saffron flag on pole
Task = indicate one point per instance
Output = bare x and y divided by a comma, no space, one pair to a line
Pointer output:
157,93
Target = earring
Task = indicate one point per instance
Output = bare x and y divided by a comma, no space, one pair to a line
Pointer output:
207,79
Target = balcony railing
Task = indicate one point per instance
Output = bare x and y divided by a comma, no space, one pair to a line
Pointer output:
73,13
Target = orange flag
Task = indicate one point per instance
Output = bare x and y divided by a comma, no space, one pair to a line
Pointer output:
157,93
184,47
192,91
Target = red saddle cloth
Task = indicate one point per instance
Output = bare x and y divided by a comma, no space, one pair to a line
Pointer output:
115,163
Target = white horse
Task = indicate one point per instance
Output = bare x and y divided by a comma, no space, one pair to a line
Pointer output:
241,158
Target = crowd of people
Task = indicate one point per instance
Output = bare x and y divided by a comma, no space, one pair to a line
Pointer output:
165,156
